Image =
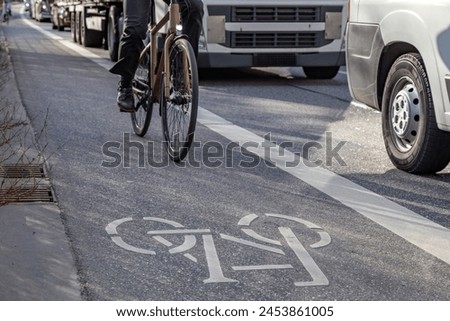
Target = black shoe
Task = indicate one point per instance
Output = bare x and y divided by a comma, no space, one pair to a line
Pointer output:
125,99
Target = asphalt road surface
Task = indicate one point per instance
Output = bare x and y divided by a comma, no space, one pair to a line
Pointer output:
310,209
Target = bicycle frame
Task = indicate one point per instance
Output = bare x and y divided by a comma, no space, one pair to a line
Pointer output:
174,18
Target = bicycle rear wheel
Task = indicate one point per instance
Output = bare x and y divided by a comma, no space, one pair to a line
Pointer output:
179,109
143,105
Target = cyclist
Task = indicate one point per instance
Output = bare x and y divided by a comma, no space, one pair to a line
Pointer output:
6,10
136,13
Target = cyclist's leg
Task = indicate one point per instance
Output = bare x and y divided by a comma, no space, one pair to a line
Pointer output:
191,15
136,14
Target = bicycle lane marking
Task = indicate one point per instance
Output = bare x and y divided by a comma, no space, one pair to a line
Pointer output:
414,228
187,240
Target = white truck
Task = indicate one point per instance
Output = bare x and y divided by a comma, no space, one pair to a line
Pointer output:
398,61
262,33
240,33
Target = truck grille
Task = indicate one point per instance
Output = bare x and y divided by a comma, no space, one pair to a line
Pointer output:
279,14
275,39
266,38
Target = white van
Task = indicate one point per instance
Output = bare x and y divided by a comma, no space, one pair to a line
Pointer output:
398,61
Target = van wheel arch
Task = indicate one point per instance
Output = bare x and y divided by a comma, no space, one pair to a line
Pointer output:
389,55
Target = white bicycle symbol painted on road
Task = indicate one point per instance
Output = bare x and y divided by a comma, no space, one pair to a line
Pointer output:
213,261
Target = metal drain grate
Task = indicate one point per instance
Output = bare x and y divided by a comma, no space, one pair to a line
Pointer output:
23,183
22,171
26,194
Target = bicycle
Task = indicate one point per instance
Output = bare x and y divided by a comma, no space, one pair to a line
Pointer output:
167,76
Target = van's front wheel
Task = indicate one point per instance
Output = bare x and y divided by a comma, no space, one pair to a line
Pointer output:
412,139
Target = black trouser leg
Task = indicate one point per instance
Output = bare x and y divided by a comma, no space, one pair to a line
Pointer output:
191,17
136,13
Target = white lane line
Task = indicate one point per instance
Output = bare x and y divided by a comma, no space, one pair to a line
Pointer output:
425,234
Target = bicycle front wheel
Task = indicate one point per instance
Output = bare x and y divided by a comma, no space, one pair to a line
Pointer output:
143,105
180,105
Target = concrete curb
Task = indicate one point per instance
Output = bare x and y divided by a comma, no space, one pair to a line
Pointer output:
36,258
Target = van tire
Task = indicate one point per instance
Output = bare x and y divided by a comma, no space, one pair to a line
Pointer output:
412,139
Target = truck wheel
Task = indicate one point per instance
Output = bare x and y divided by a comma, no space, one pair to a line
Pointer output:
78,27
321,72
89,38
73,27
412,139
60,25
113,33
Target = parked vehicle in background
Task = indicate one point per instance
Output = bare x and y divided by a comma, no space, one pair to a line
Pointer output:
95,23
264,33
26,5
398,61
60,15
251,33
42,10
32,8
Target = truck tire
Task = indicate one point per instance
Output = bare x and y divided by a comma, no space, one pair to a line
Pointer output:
113,35
60,25
321,72
73,26
78,27
413,141
89,38
39,17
